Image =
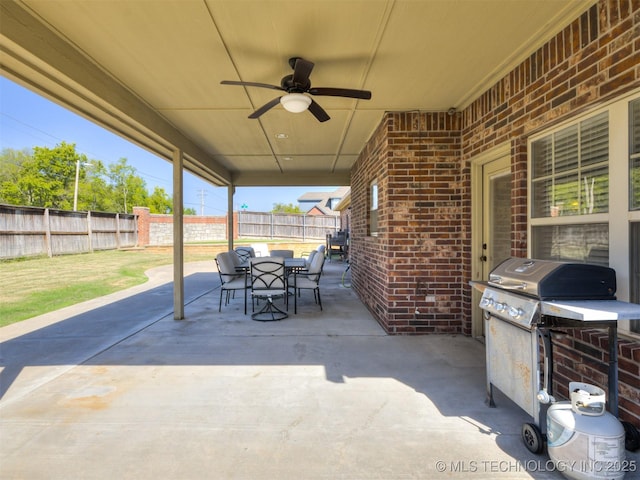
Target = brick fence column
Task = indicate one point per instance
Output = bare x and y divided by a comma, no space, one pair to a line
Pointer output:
144,216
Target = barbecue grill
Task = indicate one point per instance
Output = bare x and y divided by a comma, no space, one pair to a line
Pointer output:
523,301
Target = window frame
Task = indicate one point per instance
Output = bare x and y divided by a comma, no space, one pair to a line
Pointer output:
373,204
619,216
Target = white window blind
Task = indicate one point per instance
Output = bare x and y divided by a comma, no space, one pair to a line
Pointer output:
570,174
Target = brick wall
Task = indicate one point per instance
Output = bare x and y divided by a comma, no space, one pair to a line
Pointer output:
422,162
157,229
417,253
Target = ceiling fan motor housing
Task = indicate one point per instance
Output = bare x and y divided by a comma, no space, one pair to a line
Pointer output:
290,87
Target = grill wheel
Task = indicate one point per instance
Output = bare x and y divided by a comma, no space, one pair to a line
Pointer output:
532,438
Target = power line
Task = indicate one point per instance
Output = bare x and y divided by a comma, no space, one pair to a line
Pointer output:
202,194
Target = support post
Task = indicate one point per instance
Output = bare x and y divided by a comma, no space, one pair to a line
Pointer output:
47,233
178,237
90,232
231,189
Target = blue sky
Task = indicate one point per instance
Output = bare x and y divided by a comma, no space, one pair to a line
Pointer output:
28,120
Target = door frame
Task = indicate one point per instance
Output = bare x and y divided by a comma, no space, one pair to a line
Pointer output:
477,225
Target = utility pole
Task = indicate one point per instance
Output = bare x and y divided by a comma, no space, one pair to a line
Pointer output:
202,194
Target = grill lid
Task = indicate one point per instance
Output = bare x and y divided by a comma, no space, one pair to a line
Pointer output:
552,280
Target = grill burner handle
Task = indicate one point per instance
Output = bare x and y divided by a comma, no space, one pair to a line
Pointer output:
508,286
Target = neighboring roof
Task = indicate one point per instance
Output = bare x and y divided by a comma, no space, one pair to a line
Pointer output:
322,209
345,202
322,200
320,196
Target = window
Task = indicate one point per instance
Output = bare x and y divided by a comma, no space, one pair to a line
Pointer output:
634,155
584,194
373,208
570,178
634,205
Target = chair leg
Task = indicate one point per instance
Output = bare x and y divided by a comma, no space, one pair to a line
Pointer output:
269,312
220,304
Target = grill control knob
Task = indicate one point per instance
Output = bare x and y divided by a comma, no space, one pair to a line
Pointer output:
500,307
515,312
486,302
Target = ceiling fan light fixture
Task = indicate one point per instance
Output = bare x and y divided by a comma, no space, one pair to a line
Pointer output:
295,102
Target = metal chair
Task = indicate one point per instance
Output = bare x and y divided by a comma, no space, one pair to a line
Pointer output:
260,249
281,253
230,279
268,282
308,280
245,253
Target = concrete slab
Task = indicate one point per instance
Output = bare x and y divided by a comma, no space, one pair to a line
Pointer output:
124,391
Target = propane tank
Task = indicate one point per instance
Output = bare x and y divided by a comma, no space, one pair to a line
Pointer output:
584,441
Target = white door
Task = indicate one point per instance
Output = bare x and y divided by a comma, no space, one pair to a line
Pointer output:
492,230
496,214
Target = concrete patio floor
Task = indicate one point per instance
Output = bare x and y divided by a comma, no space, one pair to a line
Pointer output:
115,388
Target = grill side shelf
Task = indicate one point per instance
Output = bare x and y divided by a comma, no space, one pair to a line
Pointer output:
591,310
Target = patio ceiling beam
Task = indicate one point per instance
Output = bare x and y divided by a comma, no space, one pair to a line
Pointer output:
311,178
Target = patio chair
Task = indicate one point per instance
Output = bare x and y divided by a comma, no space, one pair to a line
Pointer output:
230,279
245,253
281,253
237,261
308,280
268,282
260,249
309,258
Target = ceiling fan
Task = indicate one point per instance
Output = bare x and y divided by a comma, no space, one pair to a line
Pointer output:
296,85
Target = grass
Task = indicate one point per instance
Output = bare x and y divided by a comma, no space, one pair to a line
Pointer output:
34,286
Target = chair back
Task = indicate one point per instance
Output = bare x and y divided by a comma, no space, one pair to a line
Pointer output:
235,258
245,253
281,253
315,268
260,249
226,266
310,258
321,249
268,276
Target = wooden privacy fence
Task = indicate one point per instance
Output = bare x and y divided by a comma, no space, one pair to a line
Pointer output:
32,231
284,225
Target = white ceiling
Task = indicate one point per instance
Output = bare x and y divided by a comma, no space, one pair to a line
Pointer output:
151,70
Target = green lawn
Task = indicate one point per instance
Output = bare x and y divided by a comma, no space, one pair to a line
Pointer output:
34,286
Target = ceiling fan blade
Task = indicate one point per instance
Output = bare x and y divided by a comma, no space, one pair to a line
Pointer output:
266,107
318,112
301,71
251,84
341,92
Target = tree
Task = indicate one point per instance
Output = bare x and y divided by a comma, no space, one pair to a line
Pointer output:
288,208
129,189
44,179
94,192
10,167
159,201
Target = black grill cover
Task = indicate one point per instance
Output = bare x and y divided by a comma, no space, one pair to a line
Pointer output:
577,281
554,280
